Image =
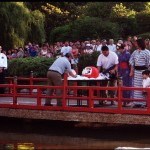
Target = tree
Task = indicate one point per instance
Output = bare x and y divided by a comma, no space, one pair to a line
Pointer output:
60,13
80,29
125,18
16,21
37,33
98,9
136,6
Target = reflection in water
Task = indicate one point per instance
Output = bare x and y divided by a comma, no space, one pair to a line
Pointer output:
27,134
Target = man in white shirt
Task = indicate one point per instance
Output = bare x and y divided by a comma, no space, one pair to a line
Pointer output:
112,46
98,46
65,49
3,67
106,60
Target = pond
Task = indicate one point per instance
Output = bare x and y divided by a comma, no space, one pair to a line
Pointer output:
42,134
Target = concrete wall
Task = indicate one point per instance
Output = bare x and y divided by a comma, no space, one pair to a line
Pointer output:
76,116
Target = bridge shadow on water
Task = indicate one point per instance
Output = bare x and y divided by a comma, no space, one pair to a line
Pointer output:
72,135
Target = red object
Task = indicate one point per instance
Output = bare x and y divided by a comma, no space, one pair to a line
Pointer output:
124,65
90,72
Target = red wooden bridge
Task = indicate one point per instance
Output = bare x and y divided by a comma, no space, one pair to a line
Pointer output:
75,107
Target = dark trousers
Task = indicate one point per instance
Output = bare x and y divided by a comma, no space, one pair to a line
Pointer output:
54,79
2,81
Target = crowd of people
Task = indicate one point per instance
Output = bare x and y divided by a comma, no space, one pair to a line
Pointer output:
128,59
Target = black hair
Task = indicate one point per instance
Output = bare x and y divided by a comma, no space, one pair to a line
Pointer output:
141,43
68,55
146,72
104,48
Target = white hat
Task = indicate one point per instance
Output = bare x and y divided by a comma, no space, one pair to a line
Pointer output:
88,45
120,41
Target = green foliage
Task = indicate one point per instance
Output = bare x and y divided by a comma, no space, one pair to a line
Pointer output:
98,9
16,24
22,67
37,33
14,27
119,10
61,33
143,21
84,27
137,6
87,60
144,35
126,20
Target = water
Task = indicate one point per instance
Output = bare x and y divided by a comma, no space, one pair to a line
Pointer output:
37,134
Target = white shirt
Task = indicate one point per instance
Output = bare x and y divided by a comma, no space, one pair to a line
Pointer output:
112,48
146,82
65,50
3,60
107,61
99,48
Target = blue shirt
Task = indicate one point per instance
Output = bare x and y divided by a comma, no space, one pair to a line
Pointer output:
60,64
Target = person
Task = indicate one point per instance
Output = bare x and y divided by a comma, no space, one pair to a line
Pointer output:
3,67
93,45
146,81
33,51
124,70
14,53
20,53
103,43
74,61
65,49
54,75
139,61
108,59
57,49
98,46
88,49
9,55
44,50
129,43
147,43
112,46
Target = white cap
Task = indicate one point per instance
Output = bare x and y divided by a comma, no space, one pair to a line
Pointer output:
88,45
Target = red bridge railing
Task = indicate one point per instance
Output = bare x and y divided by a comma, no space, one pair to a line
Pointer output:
39,96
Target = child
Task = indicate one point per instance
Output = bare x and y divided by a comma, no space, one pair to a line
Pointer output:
146,80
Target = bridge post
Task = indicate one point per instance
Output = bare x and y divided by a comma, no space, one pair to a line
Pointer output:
148,100
31,81
15,91
64,88
119,94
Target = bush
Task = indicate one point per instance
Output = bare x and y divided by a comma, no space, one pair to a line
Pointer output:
21,67
145,35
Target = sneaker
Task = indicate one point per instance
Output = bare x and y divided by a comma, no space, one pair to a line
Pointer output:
137,106
129,104
48,105
143,106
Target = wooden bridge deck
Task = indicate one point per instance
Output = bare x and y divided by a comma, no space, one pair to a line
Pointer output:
91,117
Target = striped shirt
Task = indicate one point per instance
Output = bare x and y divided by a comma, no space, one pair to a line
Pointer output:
140,58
